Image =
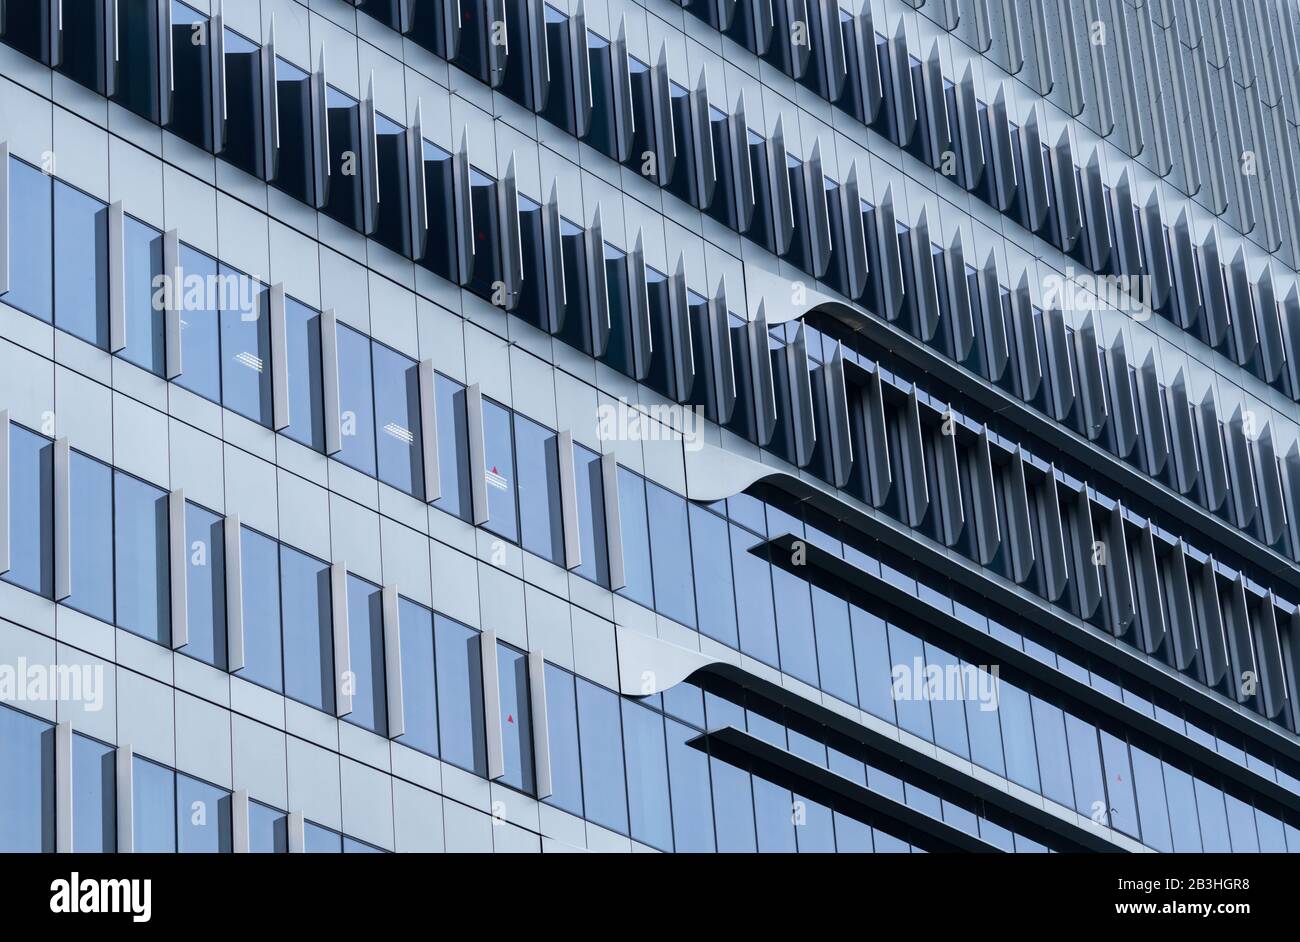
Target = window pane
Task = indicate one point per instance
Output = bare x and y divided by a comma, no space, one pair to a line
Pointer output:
31,257
206,586
419,691
145,320
94,801
453,449
245,347
1214,818
31,511
1085,764
140,527
260,567
80,265
754,607
1153,812
154,804
499,471
306,412
794,627
647,776
603,789
733,808
460,695
356,401
1053,760
871,658
268,830
397,418
562,720
946,706
541,523
1018,736
714,595
200,325
353,846
688,770
319,840
1183,819
26,783
591,516
670,541
636,539
366,645
516,718
907,655
308,634
834,645
1119,784
774,812
202,817
91,504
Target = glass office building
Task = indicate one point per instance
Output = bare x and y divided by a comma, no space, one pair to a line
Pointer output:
665,425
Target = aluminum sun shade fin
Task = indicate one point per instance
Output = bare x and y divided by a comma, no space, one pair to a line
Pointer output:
742,172
1045,79
163,65
6,516
911,461
568,500
837,415
498,43
1051,536
997,350
63,787
1241,479
541,724
880,475
430,460
679,323
900,86
477,467
171,261
983,28
819,226
1004,168
1212,290
889,267
320,134
952,512
580,62
665,138
597,286
833,57
936,106
491,680
1020,532
1241,649
1290,471
1096,217
1034,168
539,60
927,295
1155,438
1087,572
639,310
270,103
451,29
1028,358
1178,599
706,166
800,42
1015,52
1057,372
116,278
417,206
1154,254
1066,191
1268,648
968,130
1075,102
62,537
124,787
1128,250
1092,382
177,568
726,13
369,162
553,256
393,662
1119,573
217,78
1272,351
462,200
764,386
613,521
855,236
961,317
279,358
1289,314
1214,462
621,82
6,203
723,364
779,180
239,825
1182,435
1123,410
800,374
342,639
868,63
1187,290
1214,646
329,370
1146,582
762,23
984,500
1241,307
1103,108
234,588
1268,488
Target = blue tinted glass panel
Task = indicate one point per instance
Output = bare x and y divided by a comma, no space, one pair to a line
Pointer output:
516,718
202,817
260,567
154,808
94,797
205,586
647,776
140,545
834,645
268,830
715,597
308,632
499,471
80,265
982,691
1213,817
459,659
754,607
591,516
31,512
26,783
200,325
1183,821
909,688
636,539
356,401
353,846
1053,759
562,719
319,840
1018,736
1153,812
90,486
814,827
541,524
31,257
1085,764
366,647
946,704
774,814
852,836
419,689
145,319
670,541
688,774
453,449
603,788
245,346
733,809
302,328
1241,826
794,625
397,421
1119,785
